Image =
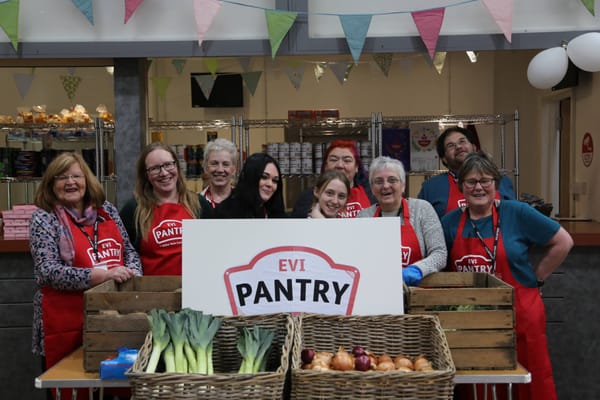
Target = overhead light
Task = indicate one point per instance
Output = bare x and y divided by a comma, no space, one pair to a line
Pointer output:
110,69
472,56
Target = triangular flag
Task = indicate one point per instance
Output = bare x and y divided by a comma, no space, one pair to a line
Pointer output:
205,12
179,64
438,61
251,79
86,7
589,4
355,29
23,82
70,84
341,70
244,63
161,84
9,21
206,83
429,23
384,61
278,25
502,13
130,7
295,73
320,70
148,64
212,64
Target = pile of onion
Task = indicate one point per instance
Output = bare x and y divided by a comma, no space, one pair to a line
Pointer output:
361,359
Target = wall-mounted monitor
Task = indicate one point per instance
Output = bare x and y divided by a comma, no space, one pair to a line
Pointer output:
228,91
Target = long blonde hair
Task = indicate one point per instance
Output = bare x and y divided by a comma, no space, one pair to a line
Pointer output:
144,192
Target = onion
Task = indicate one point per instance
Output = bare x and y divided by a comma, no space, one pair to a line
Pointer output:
421,363
342,360
307,355
358,351
323,355
384,358
403,361
386,365
404,369
373,359
362,362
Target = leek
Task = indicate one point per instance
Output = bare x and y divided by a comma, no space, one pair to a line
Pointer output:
254,345
201,330
175,324
160,338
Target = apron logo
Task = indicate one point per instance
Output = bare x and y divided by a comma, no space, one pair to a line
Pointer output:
291,278
351,211
168,232
461,203
406,251
109,252
473,263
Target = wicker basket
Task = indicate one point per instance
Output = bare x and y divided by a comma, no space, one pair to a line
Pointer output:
390,334
225,382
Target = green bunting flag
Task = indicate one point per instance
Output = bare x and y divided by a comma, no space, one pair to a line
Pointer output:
251,79
9,21
384,61
278,24
70,84
161,84
212,64
589,4
179,64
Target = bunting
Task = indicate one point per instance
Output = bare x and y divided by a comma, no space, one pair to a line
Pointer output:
590,5
439,60
320,68
244,63
9,21
384,61
70,84
278,25
429,23
212,64
179,65
86,8
341,70
206,83
251,80
161,84
23,83
501,11
295,73
205,12
355,29
130,7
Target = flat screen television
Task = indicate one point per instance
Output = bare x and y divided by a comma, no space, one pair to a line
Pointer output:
228,91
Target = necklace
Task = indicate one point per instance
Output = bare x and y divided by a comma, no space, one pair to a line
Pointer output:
491,253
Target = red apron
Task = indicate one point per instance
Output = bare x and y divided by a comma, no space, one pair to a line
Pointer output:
160,252
455,197
357,200
530,316
62,311
411,251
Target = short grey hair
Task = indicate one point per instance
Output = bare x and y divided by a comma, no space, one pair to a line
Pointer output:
383,162
221,144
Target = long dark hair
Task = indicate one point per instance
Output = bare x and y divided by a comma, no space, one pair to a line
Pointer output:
245,201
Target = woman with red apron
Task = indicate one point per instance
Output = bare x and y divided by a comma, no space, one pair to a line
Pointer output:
479,240
423,249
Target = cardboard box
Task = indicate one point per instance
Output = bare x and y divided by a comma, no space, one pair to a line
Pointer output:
116,314
476,312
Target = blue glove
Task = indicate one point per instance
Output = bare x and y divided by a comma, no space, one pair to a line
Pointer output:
412,275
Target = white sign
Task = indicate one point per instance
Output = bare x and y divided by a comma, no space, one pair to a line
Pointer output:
327,266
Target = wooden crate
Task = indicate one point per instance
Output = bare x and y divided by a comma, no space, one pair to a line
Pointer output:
476,312
115,314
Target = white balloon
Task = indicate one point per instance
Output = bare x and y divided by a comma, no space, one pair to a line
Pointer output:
548,68
584,51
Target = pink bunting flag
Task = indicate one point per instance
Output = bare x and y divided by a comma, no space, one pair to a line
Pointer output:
205,12
501,11
130,7
429,24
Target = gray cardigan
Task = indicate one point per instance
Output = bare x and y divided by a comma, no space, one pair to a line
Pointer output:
428,229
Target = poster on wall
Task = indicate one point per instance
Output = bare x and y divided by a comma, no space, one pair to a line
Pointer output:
587,149
395,143
328,266
423,155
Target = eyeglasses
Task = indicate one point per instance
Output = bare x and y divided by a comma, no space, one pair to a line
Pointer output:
392,180
64,178
453,146
484,182
169,166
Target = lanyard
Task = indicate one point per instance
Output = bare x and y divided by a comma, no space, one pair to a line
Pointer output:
93,243
489,252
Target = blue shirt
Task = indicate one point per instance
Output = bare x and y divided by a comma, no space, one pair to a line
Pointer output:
521,227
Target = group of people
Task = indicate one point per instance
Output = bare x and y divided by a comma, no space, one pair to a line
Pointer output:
464,220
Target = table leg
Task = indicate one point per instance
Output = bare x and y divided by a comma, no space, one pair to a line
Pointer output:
494,396
74,394
58,394
510,391
474,385
91,394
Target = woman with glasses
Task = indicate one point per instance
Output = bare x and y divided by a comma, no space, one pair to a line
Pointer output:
161,202
494,236
330,194
343,156
77,241
258,192
423,248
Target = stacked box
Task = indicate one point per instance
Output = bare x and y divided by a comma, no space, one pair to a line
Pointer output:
116,314
226,382
393,335
16,222
476,312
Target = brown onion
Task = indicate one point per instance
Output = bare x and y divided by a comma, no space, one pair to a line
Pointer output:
385,365
342,360
403,361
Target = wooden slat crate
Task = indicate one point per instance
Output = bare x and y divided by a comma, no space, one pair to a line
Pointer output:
476,312
115,314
